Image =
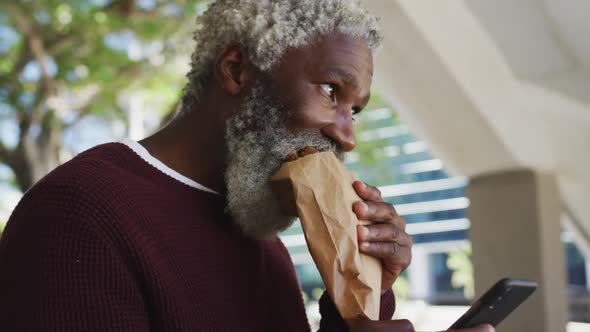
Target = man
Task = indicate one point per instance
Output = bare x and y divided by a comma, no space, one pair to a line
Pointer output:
178,232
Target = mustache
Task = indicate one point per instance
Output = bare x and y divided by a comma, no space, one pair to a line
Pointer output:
288,142
303,139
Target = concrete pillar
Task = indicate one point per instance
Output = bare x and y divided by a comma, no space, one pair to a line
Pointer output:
515,232
419,274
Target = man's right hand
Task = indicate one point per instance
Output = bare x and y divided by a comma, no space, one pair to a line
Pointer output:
479,328
404,325
365,325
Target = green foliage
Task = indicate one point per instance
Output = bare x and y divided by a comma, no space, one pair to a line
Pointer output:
460,263
316,293
371,153
305,297
105,46
401,288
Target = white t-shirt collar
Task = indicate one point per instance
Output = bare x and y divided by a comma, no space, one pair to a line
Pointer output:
147,157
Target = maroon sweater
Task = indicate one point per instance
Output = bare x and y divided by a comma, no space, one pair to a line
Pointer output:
107,242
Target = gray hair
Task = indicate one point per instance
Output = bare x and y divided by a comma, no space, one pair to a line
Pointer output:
267,28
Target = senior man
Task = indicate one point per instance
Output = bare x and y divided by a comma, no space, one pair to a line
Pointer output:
178,232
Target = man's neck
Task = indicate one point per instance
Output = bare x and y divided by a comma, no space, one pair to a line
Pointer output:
193,147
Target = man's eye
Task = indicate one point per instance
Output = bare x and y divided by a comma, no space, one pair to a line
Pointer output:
330,90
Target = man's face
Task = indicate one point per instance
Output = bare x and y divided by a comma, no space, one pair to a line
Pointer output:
307,100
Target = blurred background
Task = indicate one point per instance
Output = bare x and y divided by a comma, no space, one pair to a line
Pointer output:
478,132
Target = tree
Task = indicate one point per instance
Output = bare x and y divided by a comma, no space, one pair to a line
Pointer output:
460,263
63,61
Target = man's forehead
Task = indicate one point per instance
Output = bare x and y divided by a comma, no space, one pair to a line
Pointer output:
337,55
339,49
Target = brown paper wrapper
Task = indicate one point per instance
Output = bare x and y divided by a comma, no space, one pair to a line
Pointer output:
318,189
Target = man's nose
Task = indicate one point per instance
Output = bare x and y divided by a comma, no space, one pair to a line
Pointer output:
342,133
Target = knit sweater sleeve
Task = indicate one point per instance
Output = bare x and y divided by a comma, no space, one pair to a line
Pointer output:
60,273
332,321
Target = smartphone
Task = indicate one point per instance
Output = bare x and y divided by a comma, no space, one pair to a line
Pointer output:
497,303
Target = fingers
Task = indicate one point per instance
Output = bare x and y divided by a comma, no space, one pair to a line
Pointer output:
384,233
399,255
479,328
364,325
378,212
367,192
373,208
374,211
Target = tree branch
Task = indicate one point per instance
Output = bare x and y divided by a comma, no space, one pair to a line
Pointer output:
129,9
38,103
59,43
33,39
133,70
124,7
3,151
84,110
25,120
11,83
24,56
5,155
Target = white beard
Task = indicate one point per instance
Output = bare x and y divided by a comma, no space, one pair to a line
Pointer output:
257,143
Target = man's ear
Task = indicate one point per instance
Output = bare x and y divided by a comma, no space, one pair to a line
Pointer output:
233,69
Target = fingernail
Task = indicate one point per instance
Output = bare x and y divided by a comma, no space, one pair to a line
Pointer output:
365,231
364,207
